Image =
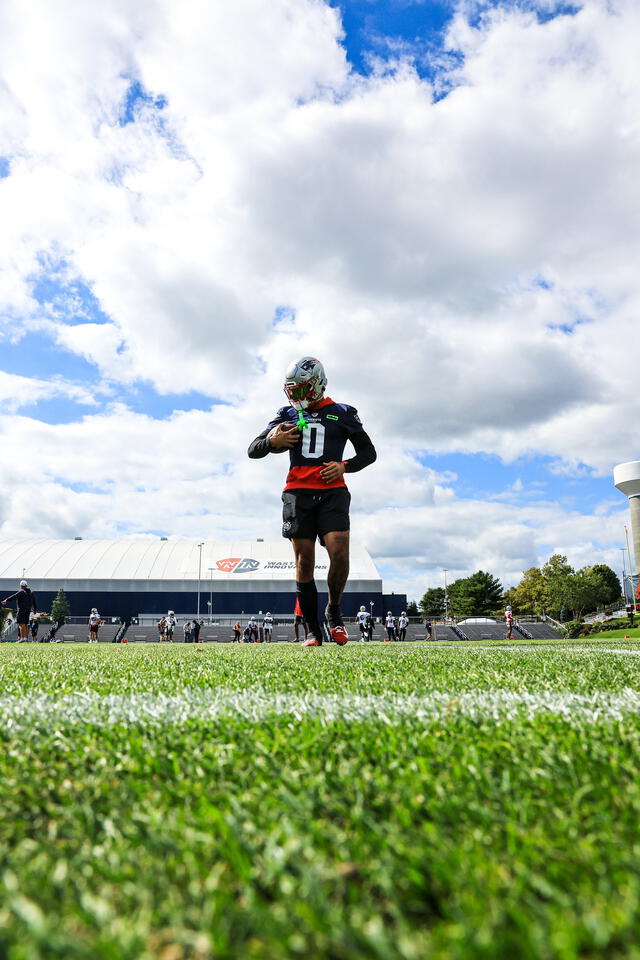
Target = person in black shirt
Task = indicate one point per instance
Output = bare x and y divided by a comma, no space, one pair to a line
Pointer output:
195,630
315,429
25,603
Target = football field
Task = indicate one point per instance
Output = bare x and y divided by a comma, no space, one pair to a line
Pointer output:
372,801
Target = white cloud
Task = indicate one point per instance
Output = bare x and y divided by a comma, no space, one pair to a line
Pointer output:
466,268
17,392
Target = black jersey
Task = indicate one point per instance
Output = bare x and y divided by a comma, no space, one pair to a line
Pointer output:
330,425
25,602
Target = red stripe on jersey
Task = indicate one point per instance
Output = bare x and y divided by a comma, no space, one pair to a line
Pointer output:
308,478
322,403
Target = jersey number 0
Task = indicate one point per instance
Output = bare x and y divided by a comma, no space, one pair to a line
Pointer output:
313,441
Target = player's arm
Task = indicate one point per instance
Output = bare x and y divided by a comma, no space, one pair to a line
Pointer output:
365,452
276,438
13,596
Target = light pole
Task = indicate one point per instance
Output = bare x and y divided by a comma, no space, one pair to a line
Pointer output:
624,576
211,569
445,570
200,546
371,605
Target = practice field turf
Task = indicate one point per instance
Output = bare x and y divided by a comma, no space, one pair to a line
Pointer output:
375,801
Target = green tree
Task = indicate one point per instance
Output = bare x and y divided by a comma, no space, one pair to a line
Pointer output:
557,572
432,603
60,608
532,593
510,599
580,592
412,609
479,595
607,584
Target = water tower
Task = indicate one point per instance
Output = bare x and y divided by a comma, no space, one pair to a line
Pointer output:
626,477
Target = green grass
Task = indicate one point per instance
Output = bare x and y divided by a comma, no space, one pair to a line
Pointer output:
632,632
434,801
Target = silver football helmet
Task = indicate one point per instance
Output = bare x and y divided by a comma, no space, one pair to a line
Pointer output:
305,382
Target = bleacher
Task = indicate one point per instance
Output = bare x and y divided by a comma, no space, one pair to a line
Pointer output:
542,631
79,632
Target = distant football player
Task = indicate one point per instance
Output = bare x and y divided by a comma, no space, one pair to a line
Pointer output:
369,627
403,623
94,625
508,616
267,627
252,627
315,498
390,624
25,605
298,621
361,618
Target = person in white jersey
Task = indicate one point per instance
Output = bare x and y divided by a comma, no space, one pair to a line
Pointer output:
94,625
508,617
390,624
170,625
361,618
267,627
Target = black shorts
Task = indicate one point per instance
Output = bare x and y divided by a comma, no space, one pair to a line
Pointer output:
307,514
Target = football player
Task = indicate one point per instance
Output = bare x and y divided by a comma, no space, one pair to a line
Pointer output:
403,623
94,625
508,617
267,627
369,627
170,624
299,620
362,617
315,498
25,604
390,624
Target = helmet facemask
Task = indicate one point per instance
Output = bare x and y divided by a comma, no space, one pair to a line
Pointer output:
305,383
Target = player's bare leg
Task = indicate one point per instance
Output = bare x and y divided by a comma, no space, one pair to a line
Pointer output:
305,556
304,551
337,545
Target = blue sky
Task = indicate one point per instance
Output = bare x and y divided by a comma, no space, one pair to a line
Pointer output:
449,260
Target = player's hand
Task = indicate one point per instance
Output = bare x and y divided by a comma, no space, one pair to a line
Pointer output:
284,436
332,471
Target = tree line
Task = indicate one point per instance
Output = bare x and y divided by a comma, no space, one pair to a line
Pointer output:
555,589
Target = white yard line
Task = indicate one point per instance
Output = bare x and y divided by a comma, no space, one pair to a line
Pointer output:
541,649
37,714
